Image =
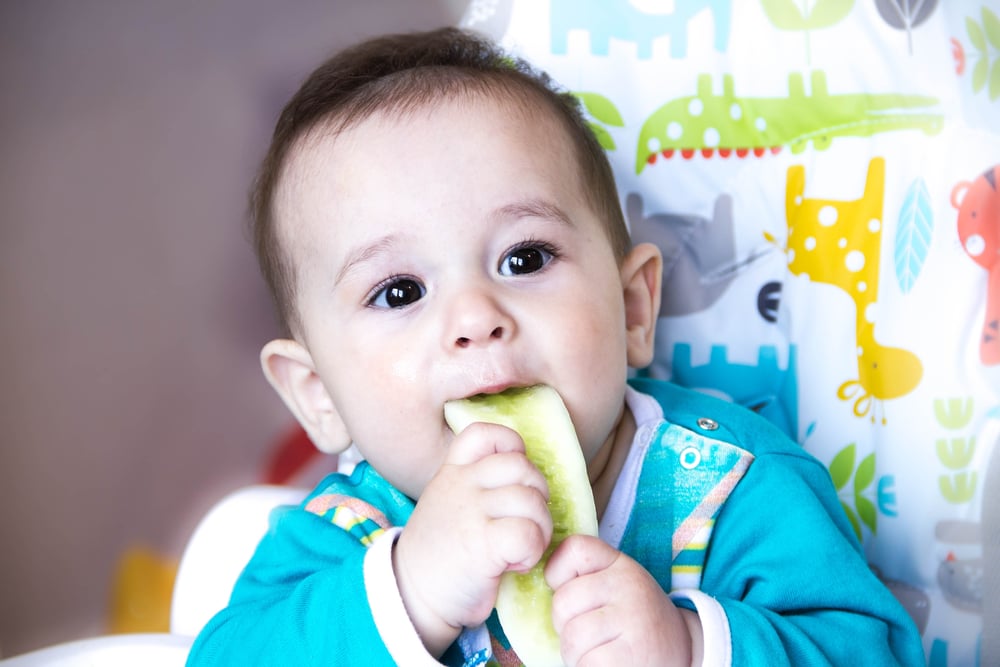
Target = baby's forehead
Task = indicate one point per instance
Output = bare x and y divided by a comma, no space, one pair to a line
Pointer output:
337,149
515,99
331,140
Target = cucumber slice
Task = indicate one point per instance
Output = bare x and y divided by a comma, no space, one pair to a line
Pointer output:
524,601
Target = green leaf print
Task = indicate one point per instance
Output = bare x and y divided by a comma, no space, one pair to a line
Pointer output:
787,14
985,37
866,510
601,108
865,474
979,74
852,517
603,112
991,24
976,35
604,137
842,466
995,80
863,478
841,471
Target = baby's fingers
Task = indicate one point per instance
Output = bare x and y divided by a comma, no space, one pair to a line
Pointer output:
510,469
588,637
519,502
578,555
482,439
517,543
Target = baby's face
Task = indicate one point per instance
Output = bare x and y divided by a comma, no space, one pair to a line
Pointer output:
447,253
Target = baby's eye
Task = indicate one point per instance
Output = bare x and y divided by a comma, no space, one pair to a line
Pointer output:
396,293
526,259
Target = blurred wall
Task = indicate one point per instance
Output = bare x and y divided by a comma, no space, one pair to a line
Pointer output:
131,312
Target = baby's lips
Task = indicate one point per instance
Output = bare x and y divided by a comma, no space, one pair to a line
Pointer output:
496,387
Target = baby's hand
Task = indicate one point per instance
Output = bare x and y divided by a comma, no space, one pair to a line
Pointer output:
608,610
482,514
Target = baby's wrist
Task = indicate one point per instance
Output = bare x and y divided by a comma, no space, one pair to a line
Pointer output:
697,638
434,631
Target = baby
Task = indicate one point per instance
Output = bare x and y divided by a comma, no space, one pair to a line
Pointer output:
435,220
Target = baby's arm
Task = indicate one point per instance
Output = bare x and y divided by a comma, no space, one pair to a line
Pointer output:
302,599
786,577
306,595
483,513
784,584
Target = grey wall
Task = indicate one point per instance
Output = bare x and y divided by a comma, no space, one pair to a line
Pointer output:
131,312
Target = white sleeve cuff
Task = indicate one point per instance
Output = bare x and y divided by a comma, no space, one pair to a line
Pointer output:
391,620
717,640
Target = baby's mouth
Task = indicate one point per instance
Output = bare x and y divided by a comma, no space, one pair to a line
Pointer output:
507,389
494,389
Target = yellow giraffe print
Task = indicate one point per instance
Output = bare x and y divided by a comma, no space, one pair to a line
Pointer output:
839,243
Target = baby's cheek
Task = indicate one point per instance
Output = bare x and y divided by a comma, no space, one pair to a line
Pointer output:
404,369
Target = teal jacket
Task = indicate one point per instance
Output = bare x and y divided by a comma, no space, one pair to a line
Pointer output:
729,515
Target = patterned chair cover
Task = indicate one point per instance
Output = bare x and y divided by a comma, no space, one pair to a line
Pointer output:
823,180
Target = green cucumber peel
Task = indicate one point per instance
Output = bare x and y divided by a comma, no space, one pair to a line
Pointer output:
524,601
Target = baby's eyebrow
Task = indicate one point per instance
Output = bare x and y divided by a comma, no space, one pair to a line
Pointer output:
532,208
529,208
363,254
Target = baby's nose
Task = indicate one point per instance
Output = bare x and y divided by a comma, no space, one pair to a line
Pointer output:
465,341
478,318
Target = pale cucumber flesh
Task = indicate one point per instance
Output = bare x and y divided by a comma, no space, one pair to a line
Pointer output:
524,601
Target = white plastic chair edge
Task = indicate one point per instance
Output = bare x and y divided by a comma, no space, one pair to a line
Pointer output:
218,550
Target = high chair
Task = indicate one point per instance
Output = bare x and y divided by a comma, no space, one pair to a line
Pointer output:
213,558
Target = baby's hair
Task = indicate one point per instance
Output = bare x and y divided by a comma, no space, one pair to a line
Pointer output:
401,73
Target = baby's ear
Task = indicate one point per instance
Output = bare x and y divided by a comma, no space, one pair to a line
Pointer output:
642,272
289,368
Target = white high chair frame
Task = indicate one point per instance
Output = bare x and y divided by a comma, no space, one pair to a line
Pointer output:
219,548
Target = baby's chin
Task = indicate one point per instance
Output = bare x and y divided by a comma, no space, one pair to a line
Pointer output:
410,477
